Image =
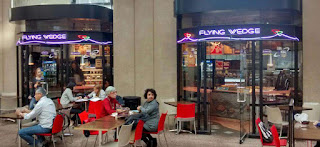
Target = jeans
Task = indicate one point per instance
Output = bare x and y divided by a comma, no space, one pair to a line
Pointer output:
26,134
33,102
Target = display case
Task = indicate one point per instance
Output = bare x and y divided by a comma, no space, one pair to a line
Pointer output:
50,72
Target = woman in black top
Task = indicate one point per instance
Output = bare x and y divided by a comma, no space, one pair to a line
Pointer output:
77,73
36,83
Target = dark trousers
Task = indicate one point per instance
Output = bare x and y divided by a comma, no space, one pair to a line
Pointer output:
318,144
75,111
148,139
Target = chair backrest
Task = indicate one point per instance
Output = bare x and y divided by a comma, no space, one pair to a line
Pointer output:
162,121
98,109
139,129
66,111
124,135
186,110
57,124
66,117
95,108
91,107
313,115
83,116
274,115
257,124
275,135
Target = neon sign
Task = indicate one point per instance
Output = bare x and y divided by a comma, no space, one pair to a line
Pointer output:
83,37
239,31
44,37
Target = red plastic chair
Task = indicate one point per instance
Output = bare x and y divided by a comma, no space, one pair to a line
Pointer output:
58,99
84,116
186,112
276,141
138,132
96,108
160,128
56,128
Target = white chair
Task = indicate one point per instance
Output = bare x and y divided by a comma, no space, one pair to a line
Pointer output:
123,138
314,114
275,117
172,111
66,124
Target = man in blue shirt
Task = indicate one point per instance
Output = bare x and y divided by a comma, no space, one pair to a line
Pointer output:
45,111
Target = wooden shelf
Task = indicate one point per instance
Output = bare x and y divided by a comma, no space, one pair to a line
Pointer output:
92,74
93,80
87,69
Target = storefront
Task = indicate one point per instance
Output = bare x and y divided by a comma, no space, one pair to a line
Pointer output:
233,61
58,55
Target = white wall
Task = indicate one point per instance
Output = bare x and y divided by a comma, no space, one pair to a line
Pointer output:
311,51
145,47
8,31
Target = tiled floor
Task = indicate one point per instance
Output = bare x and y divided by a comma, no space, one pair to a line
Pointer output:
221,137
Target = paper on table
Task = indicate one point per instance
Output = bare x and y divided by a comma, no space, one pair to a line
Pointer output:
114,114
81,100
95,99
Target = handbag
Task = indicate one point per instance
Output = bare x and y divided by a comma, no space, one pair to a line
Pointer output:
87,132
266,133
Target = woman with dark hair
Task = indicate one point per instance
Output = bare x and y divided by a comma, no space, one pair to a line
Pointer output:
151,108
36,83
67,97
77,73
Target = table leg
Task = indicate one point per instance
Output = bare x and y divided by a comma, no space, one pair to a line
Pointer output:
100,138
85,106
19,127
117,133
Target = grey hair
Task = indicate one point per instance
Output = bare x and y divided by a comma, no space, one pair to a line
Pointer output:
42,91
110,89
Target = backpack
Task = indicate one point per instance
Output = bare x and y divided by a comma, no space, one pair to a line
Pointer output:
266,133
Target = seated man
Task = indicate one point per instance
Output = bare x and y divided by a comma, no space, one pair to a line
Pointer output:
110,103
45,110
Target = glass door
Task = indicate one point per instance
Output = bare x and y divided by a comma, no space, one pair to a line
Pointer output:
243,90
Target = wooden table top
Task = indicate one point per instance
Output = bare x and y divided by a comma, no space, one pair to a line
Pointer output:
266,91
59,106
11,115
102,124
310,132
83,87
295,108
174,104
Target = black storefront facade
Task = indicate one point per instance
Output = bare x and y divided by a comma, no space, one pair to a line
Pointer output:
57,36
227,48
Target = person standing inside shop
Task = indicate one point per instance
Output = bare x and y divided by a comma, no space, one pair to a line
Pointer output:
77,74
36,83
